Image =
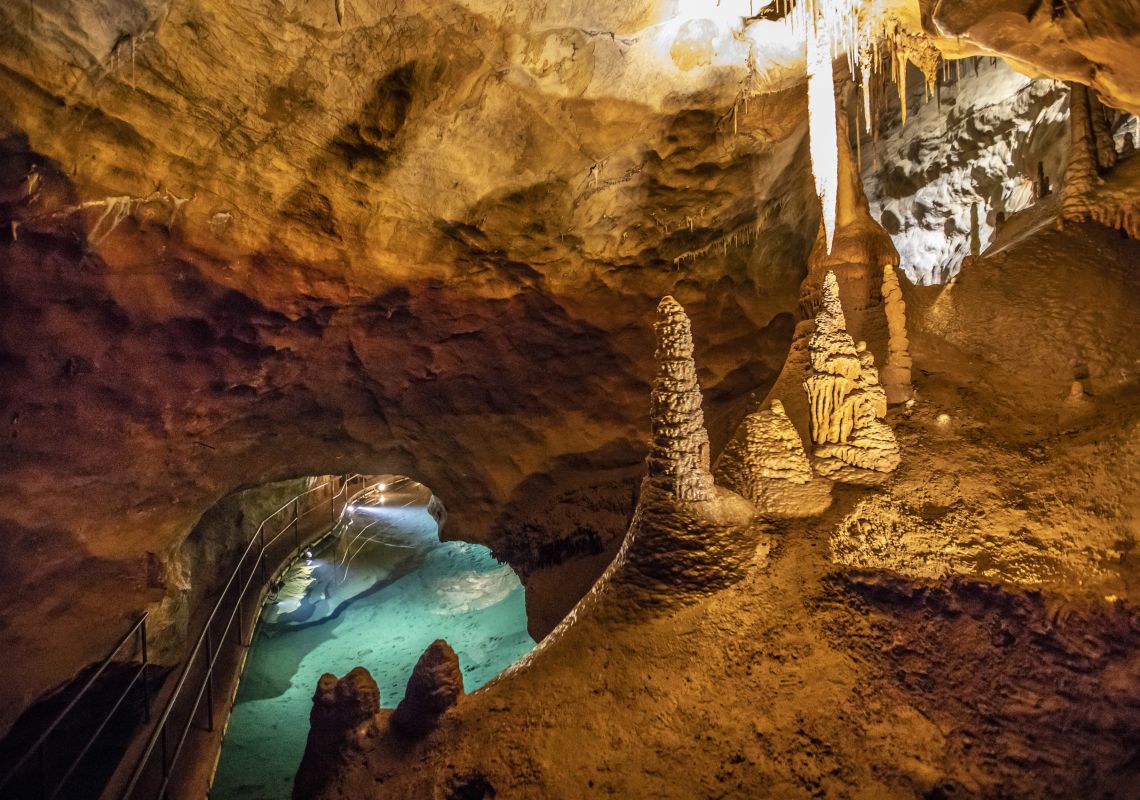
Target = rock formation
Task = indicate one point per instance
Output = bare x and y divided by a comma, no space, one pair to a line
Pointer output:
1092,191
845,400
686,535
679,458
1091,151
434,687
340,710
896,376
765,462
859,251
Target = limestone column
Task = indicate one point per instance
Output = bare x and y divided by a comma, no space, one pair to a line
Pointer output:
679,455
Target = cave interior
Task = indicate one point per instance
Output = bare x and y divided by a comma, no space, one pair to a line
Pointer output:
775,364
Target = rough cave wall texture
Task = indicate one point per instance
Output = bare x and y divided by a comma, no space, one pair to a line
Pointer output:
246,242
230,259
979,140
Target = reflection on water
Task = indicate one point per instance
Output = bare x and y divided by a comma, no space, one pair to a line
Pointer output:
376,597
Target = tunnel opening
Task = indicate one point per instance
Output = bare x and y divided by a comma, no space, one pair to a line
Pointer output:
375,591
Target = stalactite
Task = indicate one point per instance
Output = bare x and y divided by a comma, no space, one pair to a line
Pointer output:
821,122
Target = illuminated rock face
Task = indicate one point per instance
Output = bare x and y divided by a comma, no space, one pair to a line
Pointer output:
765,462
845,399
679,459
896,372
1094,189
435,686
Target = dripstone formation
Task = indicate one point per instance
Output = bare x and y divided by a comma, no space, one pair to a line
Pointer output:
1092,189
341,710
679,459
435,686
896,372
686,536
846,402
766,463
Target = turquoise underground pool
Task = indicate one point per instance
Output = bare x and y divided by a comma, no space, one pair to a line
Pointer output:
374,595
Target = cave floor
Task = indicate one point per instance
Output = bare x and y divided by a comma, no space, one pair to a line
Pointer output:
967,630
408,590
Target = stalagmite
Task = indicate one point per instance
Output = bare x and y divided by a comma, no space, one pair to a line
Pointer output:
435,686
765,462
896,374
341,711
679,459
846,402
686,535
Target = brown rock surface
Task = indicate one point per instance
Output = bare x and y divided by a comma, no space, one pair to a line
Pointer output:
342,709
435,686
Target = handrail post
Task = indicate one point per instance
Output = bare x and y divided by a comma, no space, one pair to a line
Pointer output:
209,679
297,525
145,664
43,770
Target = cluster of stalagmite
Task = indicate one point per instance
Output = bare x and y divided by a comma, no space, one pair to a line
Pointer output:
341,710
896,372
766,463
679,455
846,402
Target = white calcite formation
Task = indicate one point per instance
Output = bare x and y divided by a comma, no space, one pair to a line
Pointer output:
896,374
679,455
766,463
846,402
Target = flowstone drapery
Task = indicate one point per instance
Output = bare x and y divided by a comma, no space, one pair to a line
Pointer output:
766,463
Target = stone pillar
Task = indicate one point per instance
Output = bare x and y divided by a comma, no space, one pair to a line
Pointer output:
435,686
896,376
679,454
846,402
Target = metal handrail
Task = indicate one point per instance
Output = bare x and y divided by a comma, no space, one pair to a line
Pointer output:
158,734
137,629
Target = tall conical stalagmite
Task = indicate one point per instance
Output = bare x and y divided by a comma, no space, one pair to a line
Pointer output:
896,373
679,458
688,536
846,401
